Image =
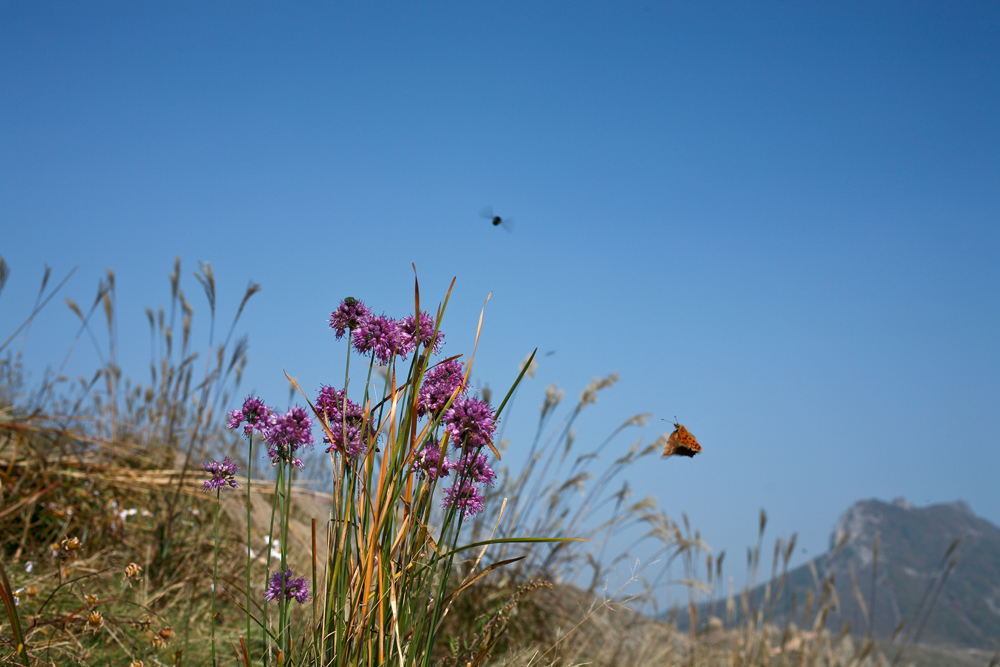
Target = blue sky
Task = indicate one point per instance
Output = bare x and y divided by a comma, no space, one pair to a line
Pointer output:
778,221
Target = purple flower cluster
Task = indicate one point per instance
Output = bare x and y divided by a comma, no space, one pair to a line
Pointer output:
381,336
421,331
474,468
283,586
464,496
439,384
222,474
348,316
286,434
470,422
429,460
351,431
384,337
254,413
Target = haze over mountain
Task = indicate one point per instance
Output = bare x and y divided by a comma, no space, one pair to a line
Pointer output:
913,556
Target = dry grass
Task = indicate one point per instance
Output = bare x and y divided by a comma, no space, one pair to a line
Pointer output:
109,464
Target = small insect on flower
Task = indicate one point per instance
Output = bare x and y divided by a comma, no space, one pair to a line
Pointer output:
506,223
132,570
95,620
681,442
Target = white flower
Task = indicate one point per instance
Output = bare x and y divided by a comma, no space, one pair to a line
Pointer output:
29,566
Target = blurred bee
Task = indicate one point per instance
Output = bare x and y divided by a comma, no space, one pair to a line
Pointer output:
506,223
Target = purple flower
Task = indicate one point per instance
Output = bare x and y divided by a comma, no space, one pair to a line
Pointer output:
473,466
222,474
439,384
282,585
408,327
429,460
463,495
287,433
380,335
351,432
470,422
331,403
254,413
348,316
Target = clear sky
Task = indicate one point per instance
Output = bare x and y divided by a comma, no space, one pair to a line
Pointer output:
779,221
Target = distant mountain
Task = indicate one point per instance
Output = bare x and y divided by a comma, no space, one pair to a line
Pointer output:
912,547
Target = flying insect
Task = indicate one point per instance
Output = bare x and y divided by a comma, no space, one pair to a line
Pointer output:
496,220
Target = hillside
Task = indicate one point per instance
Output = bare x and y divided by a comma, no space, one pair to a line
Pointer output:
912,559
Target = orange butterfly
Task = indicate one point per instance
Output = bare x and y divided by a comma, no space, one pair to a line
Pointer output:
681,442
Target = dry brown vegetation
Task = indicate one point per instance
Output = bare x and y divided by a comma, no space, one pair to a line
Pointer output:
106,536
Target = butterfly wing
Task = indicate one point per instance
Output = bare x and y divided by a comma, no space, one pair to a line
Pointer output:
681,443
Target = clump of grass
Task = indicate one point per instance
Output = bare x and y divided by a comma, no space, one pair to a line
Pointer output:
114,551
103,465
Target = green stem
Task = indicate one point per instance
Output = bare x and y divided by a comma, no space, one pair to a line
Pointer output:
215,570
267,569
249,470
286,630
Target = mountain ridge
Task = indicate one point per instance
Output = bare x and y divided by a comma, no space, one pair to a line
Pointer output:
937,572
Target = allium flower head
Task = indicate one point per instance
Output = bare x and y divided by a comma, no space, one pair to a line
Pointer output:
332,403
380,335
254,413
439,384
426,337
351,432
470,422
348,316
286,434
222,474
282,585
473,466
429,460
465,497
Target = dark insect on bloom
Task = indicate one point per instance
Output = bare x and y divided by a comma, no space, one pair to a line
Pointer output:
348,316
222,474
283,586
681,442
